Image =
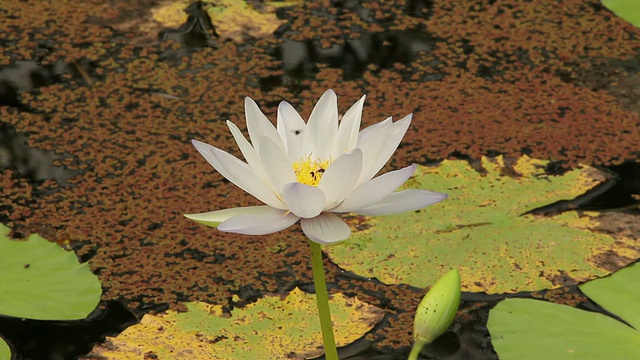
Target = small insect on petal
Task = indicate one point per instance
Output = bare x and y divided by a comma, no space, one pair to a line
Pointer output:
303,153
437,309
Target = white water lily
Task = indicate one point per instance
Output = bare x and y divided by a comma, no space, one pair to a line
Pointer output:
309,172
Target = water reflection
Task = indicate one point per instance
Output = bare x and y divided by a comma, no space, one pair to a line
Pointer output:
28,75
196,33
33,164
300,59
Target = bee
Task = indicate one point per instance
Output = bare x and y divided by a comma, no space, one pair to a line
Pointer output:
315,174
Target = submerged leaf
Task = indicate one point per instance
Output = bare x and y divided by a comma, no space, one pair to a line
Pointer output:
272,328
479,230
42,281
533,329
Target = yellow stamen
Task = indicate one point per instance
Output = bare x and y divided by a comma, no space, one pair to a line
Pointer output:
310,171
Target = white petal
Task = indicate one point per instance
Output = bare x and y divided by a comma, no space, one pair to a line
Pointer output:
249,153
376,189
347,136
402,201
238,173
214,218
371,143
340,178
291,126
362,135
385,149
322,127
278,169
268,221
304,200
325,228
258,124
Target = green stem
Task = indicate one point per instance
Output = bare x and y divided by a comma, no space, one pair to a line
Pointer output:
415,350
322,298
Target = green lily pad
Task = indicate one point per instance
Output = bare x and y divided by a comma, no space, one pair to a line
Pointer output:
5,351
618,293
531,329
479,230
271,328
626,9
40,280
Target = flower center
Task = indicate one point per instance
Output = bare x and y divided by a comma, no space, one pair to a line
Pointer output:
310,171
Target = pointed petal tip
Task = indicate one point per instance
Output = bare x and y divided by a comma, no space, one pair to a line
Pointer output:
440,196
407,118
199,218
329,94
282,104
200,146
250,104
360,103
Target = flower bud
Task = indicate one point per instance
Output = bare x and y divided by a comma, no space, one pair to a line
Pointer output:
437,309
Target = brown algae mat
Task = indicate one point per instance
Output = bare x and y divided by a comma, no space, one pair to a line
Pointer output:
553,81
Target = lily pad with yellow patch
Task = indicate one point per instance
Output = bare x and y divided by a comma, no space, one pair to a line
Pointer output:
480,230
232,19
271,328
